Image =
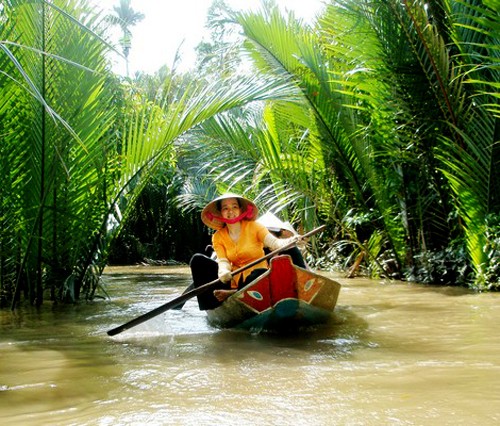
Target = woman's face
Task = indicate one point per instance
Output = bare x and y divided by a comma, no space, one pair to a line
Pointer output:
229,208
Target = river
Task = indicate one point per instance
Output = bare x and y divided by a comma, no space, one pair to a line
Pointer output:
393,354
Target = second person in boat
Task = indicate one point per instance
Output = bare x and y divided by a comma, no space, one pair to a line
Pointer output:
238,241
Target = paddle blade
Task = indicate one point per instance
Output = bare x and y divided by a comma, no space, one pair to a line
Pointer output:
165,307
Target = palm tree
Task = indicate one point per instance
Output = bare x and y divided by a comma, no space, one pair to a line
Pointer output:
125,17
58,161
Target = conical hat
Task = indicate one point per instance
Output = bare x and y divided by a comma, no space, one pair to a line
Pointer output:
273,223
211,211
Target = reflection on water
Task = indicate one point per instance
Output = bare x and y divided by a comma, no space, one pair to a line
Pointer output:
393,353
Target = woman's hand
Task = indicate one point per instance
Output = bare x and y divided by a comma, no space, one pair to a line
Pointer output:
225,277
224,272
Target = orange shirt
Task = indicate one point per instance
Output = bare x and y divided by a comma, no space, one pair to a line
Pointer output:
250,247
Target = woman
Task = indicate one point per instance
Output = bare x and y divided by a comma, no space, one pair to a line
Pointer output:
238,240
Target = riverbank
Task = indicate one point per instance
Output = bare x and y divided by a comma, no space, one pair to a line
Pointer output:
147,269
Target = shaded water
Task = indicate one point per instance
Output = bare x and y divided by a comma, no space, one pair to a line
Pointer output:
393,354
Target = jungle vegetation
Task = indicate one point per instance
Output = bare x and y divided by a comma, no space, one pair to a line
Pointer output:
380,119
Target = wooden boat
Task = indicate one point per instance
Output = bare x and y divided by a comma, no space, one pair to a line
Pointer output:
284,297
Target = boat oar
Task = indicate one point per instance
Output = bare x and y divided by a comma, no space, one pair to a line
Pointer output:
180,305
212,285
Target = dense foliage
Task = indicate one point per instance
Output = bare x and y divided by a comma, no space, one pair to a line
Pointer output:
56,115
395,139
78,147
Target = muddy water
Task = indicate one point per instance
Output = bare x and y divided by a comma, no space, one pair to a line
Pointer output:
393,354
